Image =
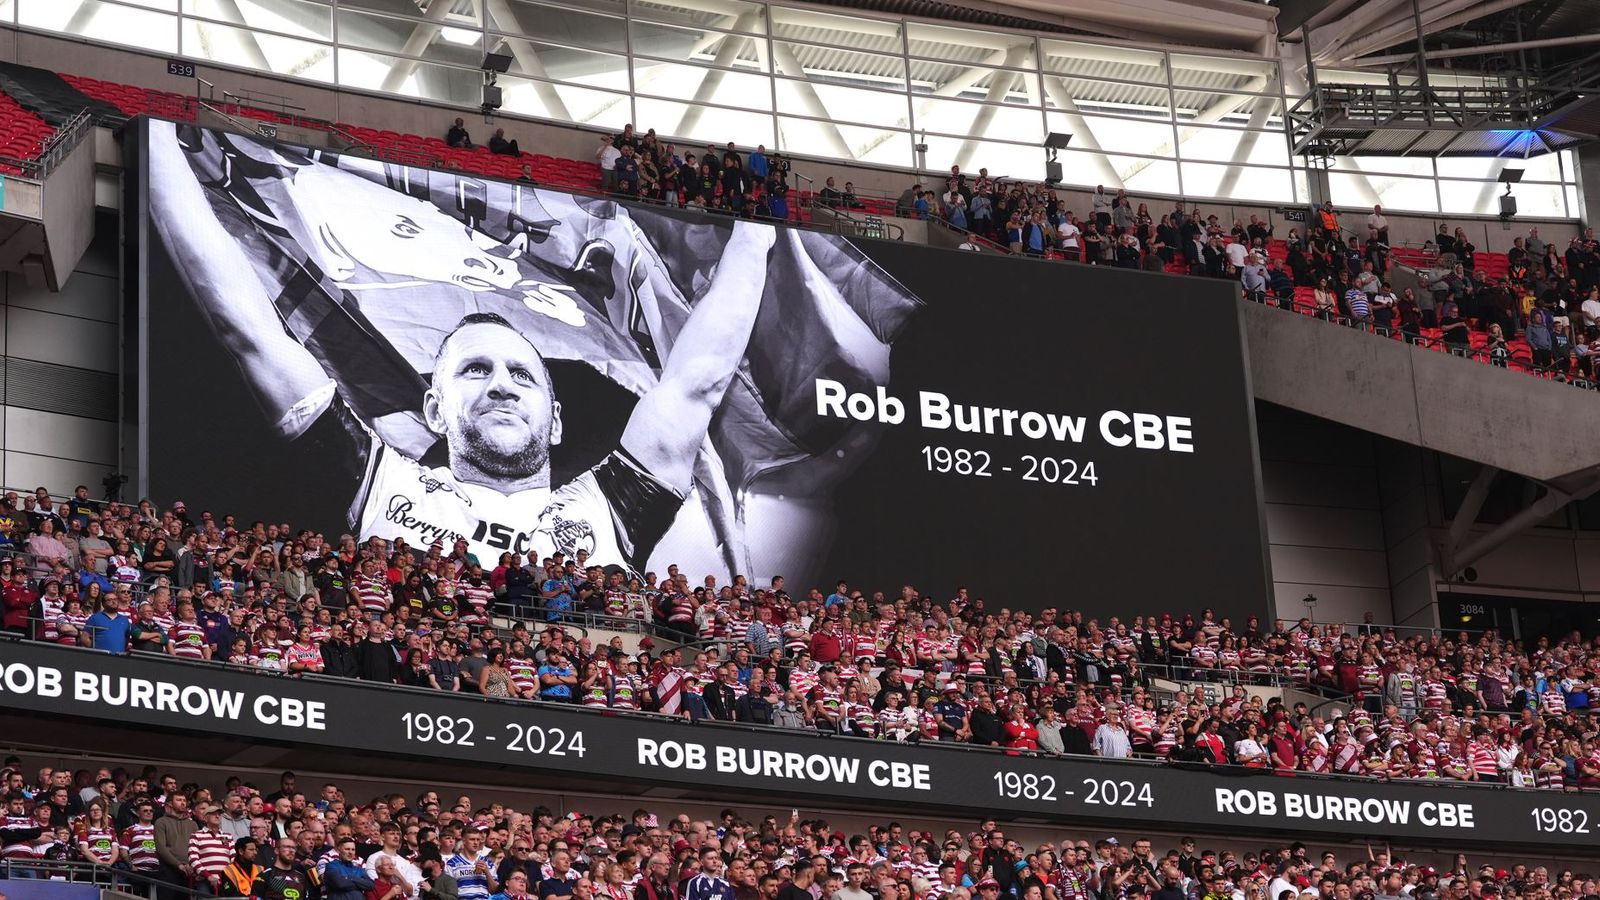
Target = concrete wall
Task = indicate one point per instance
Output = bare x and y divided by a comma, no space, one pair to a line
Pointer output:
61,354
422,117
1420,397
1324,523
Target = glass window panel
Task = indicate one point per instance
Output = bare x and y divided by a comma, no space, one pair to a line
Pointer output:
724,15
728,88
960,44
1545,167
587,67
696,45
1007,160
1261,148
1574,205
831,31
714,125
844,67
257,50
393,35
1413,194
1150,176
366,70
1237,182
1420,166
8,11
1121,63
107,22
562,25
1302,186
973,82
1011,123
1113,135
1107,97
876,146
297,18
566,103
1225,73
843,104
1483,198
1229,110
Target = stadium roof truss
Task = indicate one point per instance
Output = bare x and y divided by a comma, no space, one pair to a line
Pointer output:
1488,78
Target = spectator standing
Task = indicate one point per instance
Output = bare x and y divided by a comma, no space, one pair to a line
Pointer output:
1379,224
801,880
557,678
1253,278
110,627
1111,738
758,164
344,877
1101,203
709,883
210,851
471,868
606,156
1358,307
627,173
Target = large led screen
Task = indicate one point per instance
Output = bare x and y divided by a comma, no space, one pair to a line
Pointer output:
360,347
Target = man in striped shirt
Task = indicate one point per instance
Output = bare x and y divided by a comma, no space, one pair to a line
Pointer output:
210,851
18,830
470,867
139,840
1360,306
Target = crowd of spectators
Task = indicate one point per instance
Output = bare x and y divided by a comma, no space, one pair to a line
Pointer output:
643,167
234,840
1549,295
906,667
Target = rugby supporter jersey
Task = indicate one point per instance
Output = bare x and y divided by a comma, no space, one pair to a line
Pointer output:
102,843
188,640
18,848
470,884
405,499
139,843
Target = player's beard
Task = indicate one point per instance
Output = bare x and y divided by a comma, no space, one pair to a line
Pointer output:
492,459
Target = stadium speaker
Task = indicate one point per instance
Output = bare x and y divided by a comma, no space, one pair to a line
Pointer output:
1508,206
1052,172
491,97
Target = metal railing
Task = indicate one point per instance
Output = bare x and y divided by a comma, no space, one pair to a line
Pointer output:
78,871
65,139
848,223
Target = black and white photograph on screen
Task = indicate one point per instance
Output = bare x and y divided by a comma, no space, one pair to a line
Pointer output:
523,369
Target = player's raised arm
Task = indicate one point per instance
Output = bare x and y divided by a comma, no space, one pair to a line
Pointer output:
670,422
280,372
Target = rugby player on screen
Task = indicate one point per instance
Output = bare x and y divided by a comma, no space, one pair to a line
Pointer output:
490,400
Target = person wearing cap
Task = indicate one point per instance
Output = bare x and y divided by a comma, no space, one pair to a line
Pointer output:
210,851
